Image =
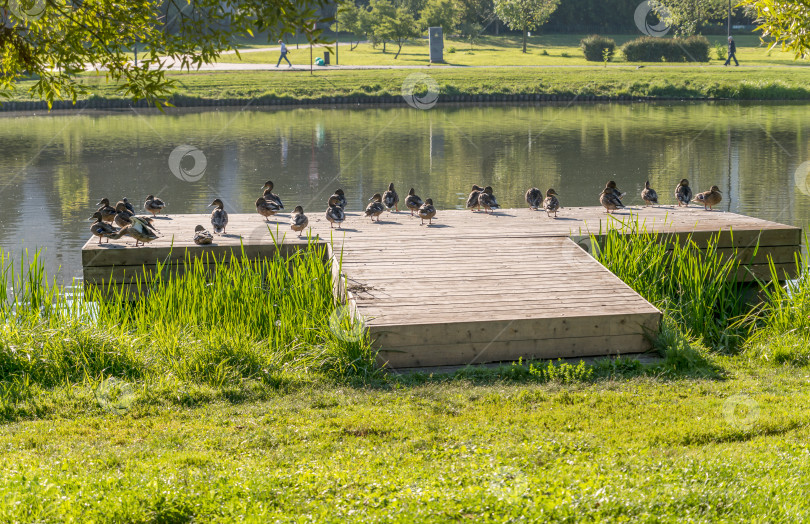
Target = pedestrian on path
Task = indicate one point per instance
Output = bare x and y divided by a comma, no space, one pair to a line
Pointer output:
283,54
732,52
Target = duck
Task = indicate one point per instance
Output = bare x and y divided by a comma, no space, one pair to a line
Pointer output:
709,198
106,210
534,197
609,199
341,198
427,212
612,186
487,200
153,205
219,217
122,215
412,201
648,194
130,207
298,220
335,213
683,193
202,237
472,200
551,203
140,230
390,198
269,195
376,207
102,229
266,208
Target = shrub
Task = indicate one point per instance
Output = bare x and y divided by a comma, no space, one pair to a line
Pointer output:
652,49
451,49
720,51
594,45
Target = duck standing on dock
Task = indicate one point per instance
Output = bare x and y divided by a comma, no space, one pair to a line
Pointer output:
270,196
390,198
551,204
534,197
341,198
683,193
202,237
154,205
472,200
412,201
648,194
266,208
609,199
612,186
102,229
335,213
219,217
140,230
122,215
129,206
427,212
298,220
106,210
709,198
376,207
487,200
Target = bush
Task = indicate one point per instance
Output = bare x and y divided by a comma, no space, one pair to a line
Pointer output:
720,51
652,49
594,47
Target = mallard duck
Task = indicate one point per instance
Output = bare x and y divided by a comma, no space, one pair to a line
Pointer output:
487,200
153,205
102,229
202,237
534,197
334,213
219,217
140,230
551,203
427,212
648,194
709,198
122,215
266,208
341,198
609,199
269,195
106,210
412,201
130,207
390,198
612,186
472,200
375,208
683,193
298,220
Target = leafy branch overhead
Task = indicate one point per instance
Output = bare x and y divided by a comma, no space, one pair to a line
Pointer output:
52,41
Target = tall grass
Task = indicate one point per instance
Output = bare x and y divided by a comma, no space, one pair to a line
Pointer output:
215,321
694,284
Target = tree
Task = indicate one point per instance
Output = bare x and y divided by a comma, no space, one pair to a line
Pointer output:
686,16
377,19
400,28
441,13
525,15
787,22
53,40
351,18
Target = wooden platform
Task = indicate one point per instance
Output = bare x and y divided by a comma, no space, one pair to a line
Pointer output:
473,287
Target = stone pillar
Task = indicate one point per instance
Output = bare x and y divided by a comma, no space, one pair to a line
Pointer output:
436,45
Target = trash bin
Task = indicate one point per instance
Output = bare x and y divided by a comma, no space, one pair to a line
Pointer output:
326,58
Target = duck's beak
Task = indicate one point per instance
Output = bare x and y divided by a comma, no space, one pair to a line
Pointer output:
91,218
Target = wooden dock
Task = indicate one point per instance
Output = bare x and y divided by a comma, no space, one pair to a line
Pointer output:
473,288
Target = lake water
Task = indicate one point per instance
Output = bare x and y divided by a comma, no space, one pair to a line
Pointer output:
55,168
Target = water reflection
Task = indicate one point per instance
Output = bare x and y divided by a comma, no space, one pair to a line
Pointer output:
54,168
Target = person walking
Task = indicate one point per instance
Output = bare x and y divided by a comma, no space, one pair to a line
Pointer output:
283,54
732,52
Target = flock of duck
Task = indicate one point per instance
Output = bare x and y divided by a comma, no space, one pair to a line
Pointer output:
143,229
